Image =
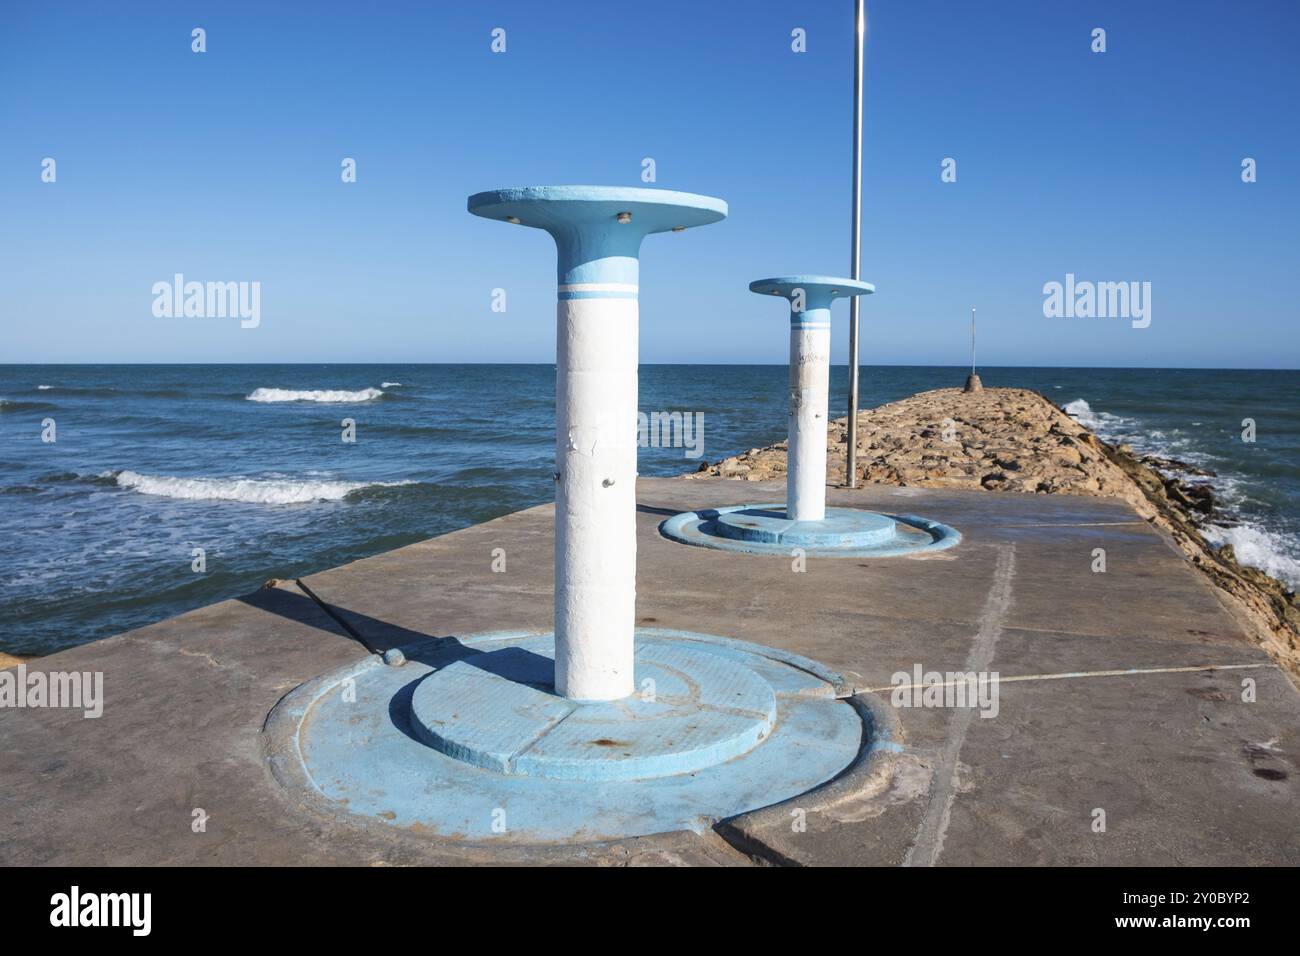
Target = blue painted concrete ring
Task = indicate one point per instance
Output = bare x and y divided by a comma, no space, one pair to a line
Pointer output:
354,743
845,532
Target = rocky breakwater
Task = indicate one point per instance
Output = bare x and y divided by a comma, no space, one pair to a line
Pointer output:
1016,440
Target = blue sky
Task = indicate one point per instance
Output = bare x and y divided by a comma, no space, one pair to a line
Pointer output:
224,166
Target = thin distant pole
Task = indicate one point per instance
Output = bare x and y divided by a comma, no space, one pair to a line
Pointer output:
972,341
855,265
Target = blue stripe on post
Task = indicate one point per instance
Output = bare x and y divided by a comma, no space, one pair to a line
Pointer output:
565,296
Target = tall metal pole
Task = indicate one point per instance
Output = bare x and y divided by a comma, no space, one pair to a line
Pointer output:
972,341
855,266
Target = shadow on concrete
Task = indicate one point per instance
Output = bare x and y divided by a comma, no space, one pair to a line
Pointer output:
516,664
301,604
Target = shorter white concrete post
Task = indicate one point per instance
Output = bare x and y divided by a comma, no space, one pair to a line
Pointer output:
810,370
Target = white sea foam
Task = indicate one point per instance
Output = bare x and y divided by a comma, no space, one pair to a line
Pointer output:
270,491
312,395
1271,552
1119,430
390,384
44,387
1256,547
1103,423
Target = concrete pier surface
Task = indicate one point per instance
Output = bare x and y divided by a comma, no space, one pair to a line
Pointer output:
1121,735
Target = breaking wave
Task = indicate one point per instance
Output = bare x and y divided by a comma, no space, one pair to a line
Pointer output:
1118,430
1277,554
1260,548
268,491
1104,424
313,395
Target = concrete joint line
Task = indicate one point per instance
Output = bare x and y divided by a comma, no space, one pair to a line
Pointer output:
541,734
1070,675
927,846
1078,524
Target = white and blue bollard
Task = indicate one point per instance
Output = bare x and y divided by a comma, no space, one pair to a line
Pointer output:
598,232
804,522
810,370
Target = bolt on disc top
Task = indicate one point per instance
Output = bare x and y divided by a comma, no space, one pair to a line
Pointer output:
563,208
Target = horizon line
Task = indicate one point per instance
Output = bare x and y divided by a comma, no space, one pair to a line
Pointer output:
1133,368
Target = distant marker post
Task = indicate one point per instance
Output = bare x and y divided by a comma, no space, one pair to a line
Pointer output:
973,383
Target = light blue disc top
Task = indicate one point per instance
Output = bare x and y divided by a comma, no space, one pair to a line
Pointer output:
819,291
499,711
566,207
598,229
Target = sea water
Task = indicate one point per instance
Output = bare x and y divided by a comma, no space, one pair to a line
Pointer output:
152,467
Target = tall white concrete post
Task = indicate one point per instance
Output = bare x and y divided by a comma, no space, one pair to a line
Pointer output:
598,232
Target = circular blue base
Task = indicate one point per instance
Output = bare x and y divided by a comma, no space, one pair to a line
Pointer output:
692,709
466,740
845,532
842,528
